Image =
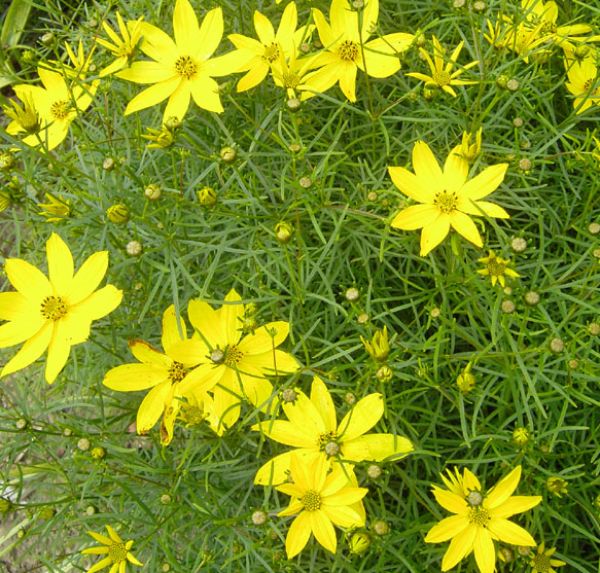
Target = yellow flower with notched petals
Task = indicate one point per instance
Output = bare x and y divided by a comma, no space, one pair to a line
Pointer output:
53,313
446,197
320,500
312,428
181,69
117,552
346,48
479,518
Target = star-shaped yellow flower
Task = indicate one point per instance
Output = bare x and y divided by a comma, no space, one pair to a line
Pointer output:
479,518
122,47
53,313
116,551
181,69
312,428
543,561
497,269
447,197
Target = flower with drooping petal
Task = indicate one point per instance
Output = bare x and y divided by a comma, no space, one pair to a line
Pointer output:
346,48
543,562
233,363
442,74
161,372
447,197
180,69
122,47
320,500
116,552
479,518
53,313
311,427
497,269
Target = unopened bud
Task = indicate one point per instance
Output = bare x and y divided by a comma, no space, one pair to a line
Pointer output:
118,214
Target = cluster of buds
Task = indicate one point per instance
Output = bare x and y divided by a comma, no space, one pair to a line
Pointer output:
378,349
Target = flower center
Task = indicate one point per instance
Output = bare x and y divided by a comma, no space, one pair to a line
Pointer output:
291,80
348,51
177,372
479,516
442,78
186,67
117,552
233,356
311,500
271,53
587,85
54,308
326,439
446,202
60,109
541,563
496,268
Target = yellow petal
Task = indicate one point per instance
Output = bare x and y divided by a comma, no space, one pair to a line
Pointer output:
415,217
287,433
344,516
370,14
18,331
450,500
99,303
447,528
148,73
100,565
205,92
206,321
276,470
323,530
211,32
257,73
158,45
485,208
226,408
152,406
298,535
230,315
273,363
509,532
185,27
179,102
153,95
411,185
485,553
14,305
306,417
323,403
173,329
28,280
258,392
60,263
344,21
515,504
264,28
427,168
464,225
265,338
484,183
58,351
380,58
88,277
326,35
347,78
201,379
30,351
360,419
376,448
456,170
133,377
459,548
503,489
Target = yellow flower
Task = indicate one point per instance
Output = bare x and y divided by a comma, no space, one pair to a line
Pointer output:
117,552
123,47
346,48
53,313
57,104
233,366
257,57
162,372
542,561
582,83
378,348
182,68
24,118
312,427
441,68
469,149
56,209
497,269
320,500
479,518
446,197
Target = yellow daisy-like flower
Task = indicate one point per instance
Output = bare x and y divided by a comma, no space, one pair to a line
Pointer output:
53,313
311,427
583,82
497,269
56,209
162,372
181,69
233,365
441,68
542,561
479,518
123,46
56,105
320,500
347,49
116,550
447,198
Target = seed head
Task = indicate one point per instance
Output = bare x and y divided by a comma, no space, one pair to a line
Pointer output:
532,298
374,471
508,306
83,444
352,294
594,228
518,244
557,345
381,527
108,164
512,85
21,424
133,248
305,182
259,517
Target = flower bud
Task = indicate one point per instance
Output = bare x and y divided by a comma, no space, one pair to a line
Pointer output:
378,347
108,164
520,436
283,232
380,527
259,517
152,192
228,154
6,506
557,486
98,453
7,160
207,196
83,444
289,395
465,380
352,294
133,248
384,373
5,201
374,471
359,543
118,213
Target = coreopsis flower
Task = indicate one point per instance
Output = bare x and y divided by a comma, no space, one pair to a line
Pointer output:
24,118
311,428
346,48
53,313
182,68
56,105
497,269
258,57
378,347
543,562
447,198
469,149
233,365
583,83
56,209
479,519
164,373
116,552
122,47
442,70
320,500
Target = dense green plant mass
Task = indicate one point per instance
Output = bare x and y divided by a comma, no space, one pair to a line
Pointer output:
324,271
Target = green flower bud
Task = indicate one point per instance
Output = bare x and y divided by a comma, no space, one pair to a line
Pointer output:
207,196
118,214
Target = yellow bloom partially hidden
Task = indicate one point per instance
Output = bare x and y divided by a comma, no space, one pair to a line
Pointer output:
320,500
116,552
447,197
378,347
497,269
543,562
123,46
56,209
53,313
479,519
312,428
